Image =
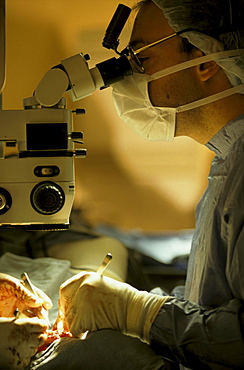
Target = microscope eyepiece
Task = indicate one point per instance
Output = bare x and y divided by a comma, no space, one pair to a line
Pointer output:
114,70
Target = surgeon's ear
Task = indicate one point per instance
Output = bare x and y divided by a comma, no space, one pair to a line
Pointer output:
207,70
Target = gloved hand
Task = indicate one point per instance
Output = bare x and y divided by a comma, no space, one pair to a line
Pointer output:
20,339
91,302
14,295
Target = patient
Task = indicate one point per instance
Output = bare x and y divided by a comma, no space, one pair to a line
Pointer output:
21,337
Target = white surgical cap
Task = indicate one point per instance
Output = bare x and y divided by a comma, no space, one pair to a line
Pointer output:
211,26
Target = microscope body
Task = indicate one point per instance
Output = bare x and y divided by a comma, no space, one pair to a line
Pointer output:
37,185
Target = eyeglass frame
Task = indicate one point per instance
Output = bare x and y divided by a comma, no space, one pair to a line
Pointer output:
130,52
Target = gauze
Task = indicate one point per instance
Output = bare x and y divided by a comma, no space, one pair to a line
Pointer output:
133,105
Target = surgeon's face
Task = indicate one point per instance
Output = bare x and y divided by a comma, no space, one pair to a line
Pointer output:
173,90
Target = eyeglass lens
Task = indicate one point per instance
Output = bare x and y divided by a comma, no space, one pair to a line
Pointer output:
132,54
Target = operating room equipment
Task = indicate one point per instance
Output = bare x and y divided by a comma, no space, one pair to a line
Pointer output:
37,185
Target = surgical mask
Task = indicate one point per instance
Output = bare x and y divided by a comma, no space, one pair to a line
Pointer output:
131,99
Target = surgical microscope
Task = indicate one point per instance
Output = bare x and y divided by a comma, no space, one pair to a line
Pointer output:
37,186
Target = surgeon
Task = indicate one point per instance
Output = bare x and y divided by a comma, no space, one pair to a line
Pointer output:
188,58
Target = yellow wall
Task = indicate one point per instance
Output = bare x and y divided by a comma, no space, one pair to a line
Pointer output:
124,181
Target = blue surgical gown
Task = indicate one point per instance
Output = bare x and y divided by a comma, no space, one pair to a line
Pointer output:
205,329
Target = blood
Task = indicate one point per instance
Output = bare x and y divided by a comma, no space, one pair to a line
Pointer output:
52,336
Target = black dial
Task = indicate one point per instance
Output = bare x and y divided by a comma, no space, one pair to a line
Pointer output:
47,198
5,201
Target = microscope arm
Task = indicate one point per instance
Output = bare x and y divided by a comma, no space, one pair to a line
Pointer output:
52,87
72,74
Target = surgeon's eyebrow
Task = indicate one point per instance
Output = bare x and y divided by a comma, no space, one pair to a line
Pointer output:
136,44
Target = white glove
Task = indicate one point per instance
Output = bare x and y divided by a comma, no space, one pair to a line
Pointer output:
13,295
20,339
90,302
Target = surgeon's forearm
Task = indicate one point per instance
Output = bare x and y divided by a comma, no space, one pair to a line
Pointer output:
197,336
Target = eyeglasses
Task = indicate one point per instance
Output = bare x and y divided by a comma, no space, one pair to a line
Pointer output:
132,54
